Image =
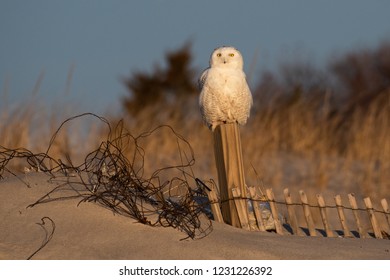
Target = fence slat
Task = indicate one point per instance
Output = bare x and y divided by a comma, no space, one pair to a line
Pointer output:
385,207
242,208
352,202
371,214
340,211
256,208
307,213
291,213
214,204
274,211
324,216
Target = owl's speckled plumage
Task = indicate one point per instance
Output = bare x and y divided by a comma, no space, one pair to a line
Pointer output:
225,96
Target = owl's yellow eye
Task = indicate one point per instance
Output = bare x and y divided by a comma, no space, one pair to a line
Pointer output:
219,54
231,54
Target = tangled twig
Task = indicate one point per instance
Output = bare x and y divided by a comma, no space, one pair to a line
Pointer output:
117,181
49,232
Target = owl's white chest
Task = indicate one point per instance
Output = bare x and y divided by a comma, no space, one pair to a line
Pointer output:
227,82
221,96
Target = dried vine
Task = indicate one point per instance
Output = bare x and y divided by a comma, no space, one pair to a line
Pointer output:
116,181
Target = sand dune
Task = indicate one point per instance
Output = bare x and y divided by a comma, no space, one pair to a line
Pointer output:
89,231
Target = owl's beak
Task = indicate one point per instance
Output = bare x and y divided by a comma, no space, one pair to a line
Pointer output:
224,61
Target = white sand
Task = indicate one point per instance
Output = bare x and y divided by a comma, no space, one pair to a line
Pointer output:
92,232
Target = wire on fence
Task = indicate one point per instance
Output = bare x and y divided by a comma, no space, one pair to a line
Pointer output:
308,204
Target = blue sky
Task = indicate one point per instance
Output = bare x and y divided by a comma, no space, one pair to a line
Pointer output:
102,41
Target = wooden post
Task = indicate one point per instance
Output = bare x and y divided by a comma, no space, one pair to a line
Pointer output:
324,216
256,209
371,214
274,211
340,211
214,204
242,209
352,202
385,207
228,158
291,213
307,212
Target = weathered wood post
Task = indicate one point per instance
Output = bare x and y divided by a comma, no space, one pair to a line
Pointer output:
374,221
290,211
324,216
274,211
307,213
386,210
354,206
340,211
230,168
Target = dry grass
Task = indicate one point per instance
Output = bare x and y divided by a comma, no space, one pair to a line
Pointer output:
300,145
32,125
285,145
304,146
299,135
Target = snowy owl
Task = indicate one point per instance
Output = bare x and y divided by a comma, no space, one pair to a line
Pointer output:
225,96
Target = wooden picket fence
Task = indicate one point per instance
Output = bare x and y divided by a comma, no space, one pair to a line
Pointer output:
261,212
252,209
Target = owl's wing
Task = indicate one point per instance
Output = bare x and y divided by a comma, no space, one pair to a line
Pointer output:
246,102
202,79
248,94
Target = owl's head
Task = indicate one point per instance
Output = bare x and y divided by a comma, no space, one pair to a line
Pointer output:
226,57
